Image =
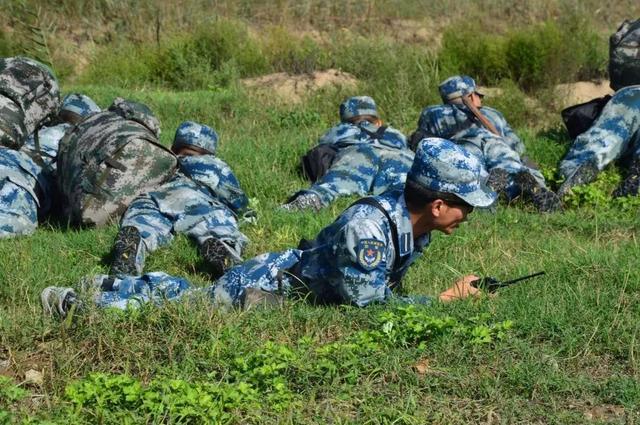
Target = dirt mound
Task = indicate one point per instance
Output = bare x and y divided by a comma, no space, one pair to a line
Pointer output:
582,91
293,88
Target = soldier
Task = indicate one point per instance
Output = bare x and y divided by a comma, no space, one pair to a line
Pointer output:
485,133
361,123
110,158
202,200
613,136
27,181
371,158
360,259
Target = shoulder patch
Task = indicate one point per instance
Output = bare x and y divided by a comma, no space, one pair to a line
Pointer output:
370,253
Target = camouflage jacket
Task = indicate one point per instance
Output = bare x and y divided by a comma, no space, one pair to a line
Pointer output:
200,179
19,168
457,123
346,134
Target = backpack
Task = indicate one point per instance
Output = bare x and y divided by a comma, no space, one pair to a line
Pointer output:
29,97
108,159
579,118
315,163
624,55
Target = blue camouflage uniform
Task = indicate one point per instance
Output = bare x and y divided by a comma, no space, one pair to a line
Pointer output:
202,200
350,132
371,159
614,135
361,170
24,190
27,178
359,259
456,122
49,137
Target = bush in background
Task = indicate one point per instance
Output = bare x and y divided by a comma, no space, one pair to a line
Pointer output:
534,57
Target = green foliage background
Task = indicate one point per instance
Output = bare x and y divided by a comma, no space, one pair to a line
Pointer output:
571,349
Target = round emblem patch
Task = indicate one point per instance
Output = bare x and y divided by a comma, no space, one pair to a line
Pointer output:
370,253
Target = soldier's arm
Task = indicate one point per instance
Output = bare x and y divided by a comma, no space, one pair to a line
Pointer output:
499,121
361,259
429,122
229,190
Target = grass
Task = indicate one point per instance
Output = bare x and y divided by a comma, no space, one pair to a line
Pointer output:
573,347
572,353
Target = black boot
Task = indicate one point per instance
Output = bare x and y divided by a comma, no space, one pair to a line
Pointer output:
542,198
217,255
125,250
303,201
630,186
584,174
499,180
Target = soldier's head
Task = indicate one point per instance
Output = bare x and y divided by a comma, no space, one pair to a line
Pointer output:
443,185
454,89
194,139
359,108
138,112
75,107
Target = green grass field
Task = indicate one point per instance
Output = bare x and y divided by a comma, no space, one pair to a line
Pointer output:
572,349
559,349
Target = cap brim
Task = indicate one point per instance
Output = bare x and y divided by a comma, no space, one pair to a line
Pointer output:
483,197
480,94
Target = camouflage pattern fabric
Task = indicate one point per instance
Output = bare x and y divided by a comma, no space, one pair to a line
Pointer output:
457,86
351,261
193,134
614,135
49,139
79,104
624,55
201,201
357,106
362,170
347,134
442,166
24,191
33,89
455,122
107,160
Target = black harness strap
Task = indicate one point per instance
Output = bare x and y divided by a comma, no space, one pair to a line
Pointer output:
378,134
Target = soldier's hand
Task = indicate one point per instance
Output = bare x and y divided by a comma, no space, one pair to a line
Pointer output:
461,289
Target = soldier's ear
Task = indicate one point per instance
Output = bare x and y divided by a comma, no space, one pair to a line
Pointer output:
436,207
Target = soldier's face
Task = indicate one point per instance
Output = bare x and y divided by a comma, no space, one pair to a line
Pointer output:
189,151
450,216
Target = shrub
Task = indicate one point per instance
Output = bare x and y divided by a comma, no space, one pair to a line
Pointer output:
534,57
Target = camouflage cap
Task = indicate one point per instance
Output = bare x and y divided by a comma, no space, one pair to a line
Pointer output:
457,86
79,104
136,111
191,133
357,106
441,165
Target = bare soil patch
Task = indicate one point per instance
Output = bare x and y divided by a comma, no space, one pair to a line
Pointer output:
582,91
293,88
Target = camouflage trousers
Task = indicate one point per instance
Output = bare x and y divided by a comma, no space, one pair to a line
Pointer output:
158,226
614,135
264,272
18,210
361,170
494,152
